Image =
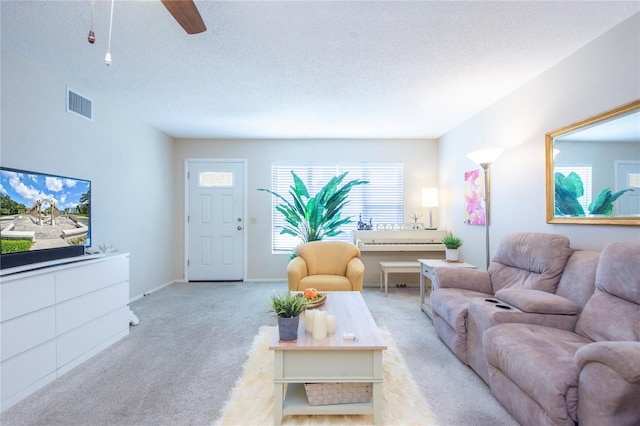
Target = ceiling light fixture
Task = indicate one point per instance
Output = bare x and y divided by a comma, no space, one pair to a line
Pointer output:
107,57
92,35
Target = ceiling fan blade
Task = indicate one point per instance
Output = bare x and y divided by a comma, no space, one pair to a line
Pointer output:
187,15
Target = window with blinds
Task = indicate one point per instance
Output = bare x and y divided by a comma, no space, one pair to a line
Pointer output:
585,175
381,200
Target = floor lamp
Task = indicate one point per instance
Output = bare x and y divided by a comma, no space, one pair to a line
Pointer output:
484,158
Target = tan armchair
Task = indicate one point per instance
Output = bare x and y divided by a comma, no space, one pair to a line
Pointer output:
326,266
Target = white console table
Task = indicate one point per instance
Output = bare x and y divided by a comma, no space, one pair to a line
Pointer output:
57,317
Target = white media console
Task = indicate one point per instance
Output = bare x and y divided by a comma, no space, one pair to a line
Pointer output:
55,318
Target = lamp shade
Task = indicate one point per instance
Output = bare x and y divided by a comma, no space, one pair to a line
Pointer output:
430,197
485,156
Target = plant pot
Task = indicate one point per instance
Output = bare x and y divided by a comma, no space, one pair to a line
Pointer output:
288,328
451,255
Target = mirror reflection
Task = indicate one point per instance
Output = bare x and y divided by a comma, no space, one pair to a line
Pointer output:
593,169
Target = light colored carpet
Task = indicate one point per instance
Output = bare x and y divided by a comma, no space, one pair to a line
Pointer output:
251,401
180,365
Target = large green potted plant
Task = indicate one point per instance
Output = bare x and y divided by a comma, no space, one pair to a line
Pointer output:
288,308
312,218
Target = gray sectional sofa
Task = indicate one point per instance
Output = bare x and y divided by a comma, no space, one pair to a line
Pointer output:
554,331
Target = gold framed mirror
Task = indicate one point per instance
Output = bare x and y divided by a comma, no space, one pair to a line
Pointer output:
593,169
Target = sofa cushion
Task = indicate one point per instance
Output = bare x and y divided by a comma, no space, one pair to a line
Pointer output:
578,279
452,305
540,361
607,317
612,313
618,271
530,260
535,301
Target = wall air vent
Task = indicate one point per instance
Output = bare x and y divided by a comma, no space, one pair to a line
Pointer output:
79,105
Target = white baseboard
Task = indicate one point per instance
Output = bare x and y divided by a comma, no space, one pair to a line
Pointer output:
148,292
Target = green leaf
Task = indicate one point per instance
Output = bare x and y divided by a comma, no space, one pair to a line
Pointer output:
603,203
567,191
299,187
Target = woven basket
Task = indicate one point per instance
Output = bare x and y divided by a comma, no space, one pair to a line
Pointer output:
337,393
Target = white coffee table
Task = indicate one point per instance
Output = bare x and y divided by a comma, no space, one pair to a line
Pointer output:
426,271
331,360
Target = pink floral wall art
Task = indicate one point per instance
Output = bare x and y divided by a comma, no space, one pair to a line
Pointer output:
473,198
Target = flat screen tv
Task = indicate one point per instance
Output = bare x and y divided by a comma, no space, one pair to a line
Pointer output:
43,217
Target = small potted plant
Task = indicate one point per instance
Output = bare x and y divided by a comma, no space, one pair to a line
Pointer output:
452,244
288,308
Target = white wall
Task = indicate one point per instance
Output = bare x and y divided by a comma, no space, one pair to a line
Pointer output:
137,172
420,158
128,162
600,76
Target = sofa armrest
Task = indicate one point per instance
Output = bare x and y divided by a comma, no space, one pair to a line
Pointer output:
355,273
463,278
296,270
621,357
539,302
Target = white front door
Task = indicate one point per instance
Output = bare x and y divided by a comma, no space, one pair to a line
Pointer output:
628,176
215,220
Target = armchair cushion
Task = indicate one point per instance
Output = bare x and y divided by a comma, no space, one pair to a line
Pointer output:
535,301
327,257
325,282
327,266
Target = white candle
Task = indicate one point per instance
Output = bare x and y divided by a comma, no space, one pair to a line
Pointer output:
331,324
320,325
309,314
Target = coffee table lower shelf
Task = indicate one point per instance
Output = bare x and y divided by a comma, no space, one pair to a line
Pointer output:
296,403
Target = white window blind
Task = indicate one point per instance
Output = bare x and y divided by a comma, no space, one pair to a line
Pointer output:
381,200
585,175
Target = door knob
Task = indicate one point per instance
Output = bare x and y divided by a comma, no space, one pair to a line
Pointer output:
239,228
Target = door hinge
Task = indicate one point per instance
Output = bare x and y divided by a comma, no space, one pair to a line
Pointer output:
188,262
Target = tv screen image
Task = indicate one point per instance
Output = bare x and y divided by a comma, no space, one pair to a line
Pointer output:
42,216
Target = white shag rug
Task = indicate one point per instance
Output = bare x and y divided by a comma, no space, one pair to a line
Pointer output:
251,401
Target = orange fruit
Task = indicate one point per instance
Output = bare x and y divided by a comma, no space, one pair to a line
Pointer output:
310,293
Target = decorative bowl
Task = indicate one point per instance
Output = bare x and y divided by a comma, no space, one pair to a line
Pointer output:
318,301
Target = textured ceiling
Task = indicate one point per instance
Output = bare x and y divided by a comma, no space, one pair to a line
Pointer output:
307,69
